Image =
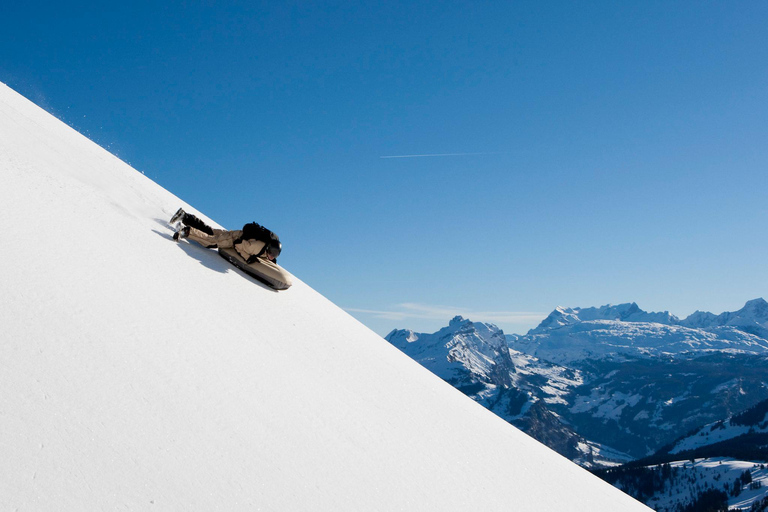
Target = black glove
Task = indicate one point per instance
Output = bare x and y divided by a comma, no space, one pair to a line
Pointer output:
251,259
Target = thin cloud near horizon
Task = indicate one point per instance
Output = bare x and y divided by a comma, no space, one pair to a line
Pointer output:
408,310
430,155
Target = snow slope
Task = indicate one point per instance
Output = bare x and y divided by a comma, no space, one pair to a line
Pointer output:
676,485
714,473
753,421
142,374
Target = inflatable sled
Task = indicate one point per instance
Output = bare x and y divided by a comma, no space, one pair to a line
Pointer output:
271,274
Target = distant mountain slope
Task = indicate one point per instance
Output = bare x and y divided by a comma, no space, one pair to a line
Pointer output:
754,315
629,312
569,335
475,359
724,461
743,435
752,318
649,377
588,379
143,374
709,484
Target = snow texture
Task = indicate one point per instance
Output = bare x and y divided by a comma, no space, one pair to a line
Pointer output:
139,374
713,473
717,432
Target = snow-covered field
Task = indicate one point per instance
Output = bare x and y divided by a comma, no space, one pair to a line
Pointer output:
693,477
716,433
141,374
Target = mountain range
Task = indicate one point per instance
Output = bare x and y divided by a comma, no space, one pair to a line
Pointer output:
606,383
633,392
570,335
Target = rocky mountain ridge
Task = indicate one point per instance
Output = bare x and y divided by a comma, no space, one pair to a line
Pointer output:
596,383
474,358
752,317
570,335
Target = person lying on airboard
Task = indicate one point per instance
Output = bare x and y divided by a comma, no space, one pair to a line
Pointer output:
252,242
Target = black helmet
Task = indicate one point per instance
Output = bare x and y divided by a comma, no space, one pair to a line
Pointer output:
274,248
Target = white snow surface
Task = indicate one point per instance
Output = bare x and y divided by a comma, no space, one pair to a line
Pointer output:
714,473
717,432
142,374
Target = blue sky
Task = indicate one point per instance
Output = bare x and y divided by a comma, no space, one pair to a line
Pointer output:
583,153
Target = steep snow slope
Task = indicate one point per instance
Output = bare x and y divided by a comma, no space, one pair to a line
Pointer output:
671,487
752,421
140,373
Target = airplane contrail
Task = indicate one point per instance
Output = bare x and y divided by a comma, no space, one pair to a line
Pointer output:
442,154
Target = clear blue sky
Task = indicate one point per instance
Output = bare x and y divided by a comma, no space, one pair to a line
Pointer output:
593,152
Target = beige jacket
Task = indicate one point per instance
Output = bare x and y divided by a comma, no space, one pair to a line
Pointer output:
226,240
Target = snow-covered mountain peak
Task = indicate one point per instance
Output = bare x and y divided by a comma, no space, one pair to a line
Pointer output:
406,335
478,335
752,318
625,330
756,309
461,349
699,320
627,312
457,320
560,317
